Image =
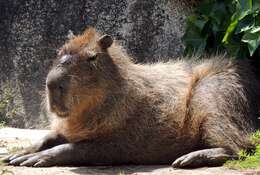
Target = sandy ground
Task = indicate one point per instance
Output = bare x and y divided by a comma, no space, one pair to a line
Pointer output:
12,139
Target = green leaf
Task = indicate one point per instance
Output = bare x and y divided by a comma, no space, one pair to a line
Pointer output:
252,39
246,8
218,12
256,5
229,25
197,23
195,42
245,24
243,8
257,19
205,7
243,52
233,49
229,30
255,29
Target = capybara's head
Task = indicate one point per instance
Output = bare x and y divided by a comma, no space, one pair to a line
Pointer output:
81,74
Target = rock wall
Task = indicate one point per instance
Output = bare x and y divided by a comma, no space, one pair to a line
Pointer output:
31,32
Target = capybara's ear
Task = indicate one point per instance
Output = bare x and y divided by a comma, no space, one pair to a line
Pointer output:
105,41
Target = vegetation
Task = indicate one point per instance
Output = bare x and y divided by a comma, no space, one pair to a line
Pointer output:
8,108
121,173
1,162
2,124
14,149
231,26
248,159
6,172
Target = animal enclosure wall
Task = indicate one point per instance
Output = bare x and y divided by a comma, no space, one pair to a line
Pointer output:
31,32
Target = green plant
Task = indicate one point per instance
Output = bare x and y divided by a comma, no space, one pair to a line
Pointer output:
6,172
1,163
2,124
14,149
247,159
8,108
231,26
121,173
256,137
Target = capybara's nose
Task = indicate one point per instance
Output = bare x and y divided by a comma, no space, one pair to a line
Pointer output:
56,85
57,82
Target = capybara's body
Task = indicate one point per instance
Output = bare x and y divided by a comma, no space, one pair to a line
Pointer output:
109,110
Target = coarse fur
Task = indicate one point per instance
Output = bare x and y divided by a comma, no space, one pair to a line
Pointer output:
209,103
150,113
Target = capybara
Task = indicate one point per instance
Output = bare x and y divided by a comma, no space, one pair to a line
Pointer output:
108,110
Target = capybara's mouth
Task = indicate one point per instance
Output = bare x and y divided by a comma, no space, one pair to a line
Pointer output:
60,110
62,114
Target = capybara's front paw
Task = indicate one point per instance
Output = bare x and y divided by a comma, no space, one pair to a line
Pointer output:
50,157
39,159
34,159
29,150
9,158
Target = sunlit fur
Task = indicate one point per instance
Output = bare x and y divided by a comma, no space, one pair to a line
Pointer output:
209,103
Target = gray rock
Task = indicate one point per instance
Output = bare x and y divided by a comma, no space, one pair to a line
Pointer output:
31,32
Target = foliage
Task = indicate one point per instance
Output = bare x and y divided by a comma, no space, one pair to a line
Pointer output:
8,108
2,124
248,159
231,26
121,173
14,149
6,172
256,137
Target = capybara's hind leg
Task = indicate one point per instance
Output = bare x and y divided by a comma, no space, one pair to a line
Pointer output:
221,140
205,157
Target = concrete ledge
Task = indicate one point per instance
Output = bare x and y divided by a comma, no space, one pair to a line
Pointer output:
32,135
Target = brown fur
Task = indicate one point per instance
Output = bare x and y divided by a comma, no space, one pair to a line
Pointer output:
177,106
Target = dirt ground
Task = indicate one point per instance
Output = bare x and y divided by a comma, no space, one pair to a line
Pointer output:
12,139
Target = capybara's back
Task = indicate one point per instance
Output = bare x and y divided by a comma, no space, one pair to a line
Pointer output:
110,110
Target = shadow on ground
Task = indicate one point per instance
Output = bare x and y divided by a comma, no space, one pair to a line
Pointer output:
126,169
